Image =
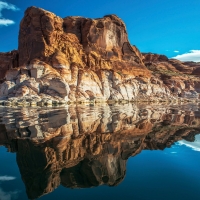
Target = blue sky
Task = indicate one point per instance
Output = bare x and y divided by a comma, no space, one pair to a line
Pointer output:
170,27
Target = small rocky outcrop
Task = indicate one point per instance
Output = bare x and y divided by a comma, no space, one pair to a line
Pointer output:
181,78
8,61
81,59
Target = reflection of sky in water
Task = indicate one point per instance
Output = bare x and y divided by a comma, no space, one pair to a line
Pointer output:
10,180
7,178
7,195
172,174
193,145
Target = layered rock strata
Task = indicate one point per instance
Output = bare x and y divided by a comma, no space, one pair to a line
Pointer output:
181,78
81,59
87,146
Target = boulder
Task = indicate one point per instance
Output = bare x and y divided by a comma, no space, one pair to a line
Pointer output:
60,87
7,88
12,74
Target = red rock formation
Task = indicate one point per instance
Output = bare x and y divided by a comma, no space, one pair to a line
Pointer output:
91,44
81,59
178,76
150,58
7,61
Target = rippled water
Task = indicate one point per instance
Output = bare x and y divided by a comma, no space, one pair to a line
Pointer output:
142,152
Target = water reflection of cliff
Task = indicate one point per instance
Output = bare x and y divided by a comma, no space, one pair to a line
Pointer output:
86,146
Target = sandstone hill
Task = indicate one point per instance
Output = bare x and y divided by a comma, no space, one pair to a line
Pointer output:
81,59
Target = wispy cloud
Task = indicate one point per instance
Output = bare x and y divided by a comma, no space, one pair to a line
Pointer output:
6,22
7,178
8,195
192,55
176,51
193,145
8,6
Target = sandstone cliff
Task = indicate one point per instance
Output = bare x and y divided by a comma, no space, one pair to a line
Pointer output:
86,146
181,78
81,59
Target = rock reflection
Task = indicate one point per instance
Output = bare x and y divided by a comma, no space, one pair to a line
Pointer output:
86,146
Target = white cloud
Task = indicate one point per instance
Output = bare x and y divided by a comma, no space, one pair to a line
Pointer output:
8,195
6,22
193,145
176,51
8,6
192,55
7,178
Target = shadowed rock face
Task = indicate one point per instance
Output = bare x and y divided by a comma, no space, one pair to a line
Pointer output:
7,61
87,146
82,59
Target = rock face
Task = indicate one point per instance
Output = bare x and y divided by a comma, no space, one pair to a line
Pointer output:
81,59
86,146
7,61
181,78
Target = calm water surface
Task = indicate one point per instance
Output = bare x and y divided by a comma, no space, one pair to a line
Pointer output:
126,151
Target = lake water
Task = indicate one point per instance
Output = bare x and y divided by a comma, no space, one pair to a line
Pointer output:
136,152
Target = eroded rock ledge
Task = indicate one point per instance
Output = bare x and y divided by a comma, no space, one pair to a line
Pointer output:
80,59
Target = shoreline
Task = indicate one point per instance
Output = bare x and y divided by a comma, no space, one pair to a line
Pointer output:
54,103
